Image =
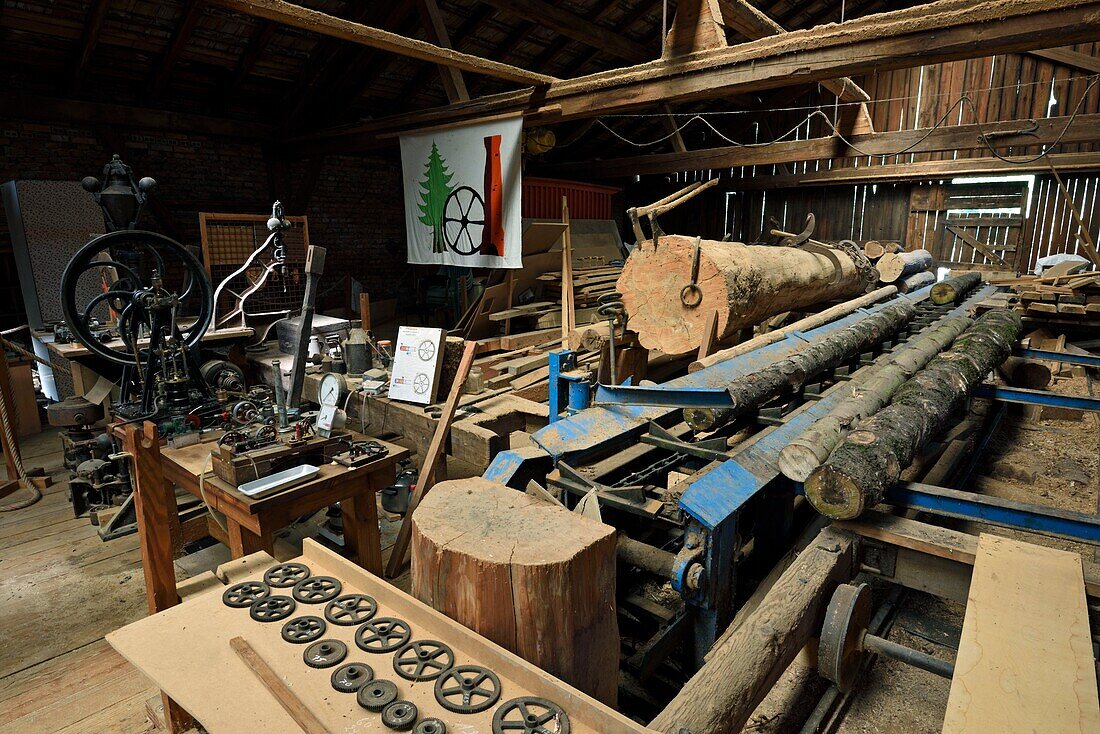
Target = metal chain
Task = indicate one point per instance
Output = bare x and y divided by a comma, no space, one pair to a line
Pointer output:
863,264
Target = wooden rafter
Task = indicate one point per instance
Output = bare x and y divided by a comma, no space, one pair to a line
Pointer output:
329,25
88,40
1066,56
253,52
937,32
190,19
750,22
1084,129
421,77
432,20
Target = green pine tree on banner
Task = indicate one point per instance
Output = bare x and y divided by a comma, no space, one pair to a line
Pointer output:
436,186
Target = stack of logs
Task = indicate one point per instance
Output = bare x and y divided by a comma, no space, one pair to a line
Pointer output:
909,271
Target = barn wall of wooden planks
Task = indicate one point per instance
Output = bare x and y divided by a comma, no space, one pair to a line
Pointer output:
1037,221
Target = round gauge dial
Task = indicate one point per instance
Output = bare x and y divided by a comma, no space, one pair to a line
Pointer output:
333,388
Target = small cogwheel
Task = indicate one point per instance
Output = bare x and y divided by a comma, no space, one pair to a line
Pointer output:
325,654
400,715
377,695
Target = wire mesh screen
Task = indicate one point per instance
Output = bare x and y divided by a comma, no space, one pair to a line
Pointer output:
229,239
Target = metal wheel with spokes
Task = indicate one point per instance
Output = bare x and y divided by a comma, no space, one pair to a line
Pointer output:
423,660
467,689
463,220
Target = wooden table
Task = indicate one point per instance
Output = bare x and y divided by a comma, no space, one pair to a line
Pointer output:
251,523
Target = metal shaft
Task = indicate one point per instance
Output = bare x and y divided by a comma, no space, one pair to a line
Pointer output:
280,394
315,265
907,655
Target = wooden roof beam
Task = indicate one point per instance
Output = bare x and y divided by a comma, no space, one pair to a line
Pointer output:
190,19
329,25
1084,129
940,31
922,171
88,40
575,27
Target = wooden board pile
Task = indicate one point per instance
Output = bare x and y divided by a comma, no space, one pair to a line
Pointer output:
1063,292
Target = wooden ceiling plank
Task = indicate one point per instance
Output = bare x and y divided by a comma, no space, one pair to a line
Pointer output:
92,29
179,42
329,25
575,27
453,83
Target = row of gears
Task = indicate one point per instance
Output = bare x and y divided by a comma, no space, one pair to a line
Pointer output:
463,689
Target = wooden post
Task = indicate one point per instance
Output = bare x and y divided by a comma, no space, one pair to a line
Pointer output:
492,558
722,695
568,312
364,311
155,506
431,459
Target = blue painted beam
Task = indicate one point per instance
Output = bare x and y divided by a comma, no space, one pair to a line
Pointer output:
663,396
1036,397
1085,360
996,511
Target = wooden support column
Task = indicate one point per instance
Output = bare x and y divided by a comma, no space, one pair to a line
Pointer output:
722,695
696,27
453,83
155,507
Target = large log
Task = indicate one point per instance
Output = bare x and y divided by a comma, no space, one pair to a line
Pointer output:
531,576
866,393
805,324
872,457
896,265
756,388
953,289
740,671
744,284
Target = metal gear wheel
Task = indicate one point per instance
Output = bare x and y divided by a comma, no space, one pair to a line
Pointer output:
316,590
400,715
351,609
325,654
351,677
467,689
530,715
423,660
382,634
301,630
271,608
286,574
430,726
243,594
377,695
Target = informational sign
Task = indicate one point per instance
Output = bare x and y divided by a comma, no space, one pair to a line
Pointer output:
417,360
462,195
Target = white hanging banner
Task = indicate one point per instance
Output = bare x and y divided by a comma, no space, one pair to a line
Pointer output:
462,195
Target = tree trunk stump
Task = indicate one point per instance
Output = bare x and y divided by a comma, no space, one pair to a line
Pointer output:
532,577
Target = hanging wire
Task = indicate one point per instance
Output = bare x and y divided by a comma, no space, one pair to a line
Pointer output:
964,100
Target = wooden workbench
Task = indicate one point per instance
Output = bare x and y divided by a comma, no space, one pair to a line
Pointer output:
185,651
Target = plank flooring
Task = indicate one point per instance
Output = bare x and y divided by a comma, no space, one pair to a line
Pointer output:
61,590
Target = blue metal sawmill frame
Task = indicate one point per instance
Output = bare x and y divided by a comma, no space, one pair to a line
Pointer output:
717,495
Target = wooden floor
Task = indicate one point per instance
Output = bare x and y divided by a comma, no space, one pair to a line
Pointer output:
61,590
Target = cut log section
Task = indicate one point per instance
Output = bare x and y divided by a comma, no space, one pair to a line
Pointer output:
744,284
756,388
872,457
874,249
916,281
953,289
896,265
867,392
531,576
1026,373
